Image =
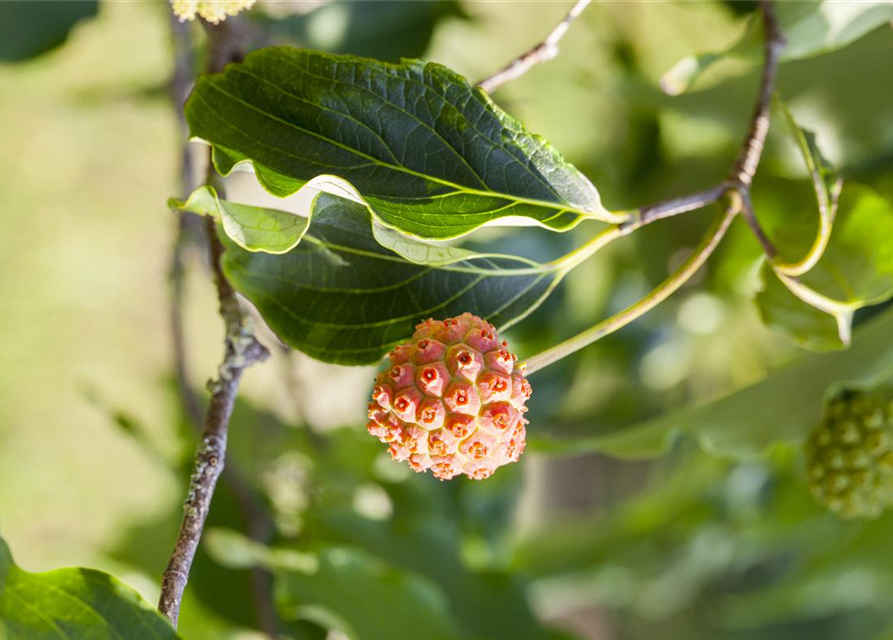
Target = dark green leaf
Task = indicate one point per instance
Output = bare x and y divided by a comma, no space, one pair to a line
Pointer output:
71,604
810,28
855,270
383,29
429,154
28,29
341,297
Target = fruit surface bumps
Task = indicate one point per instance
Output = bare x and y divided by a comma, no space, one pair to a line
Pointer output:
452,401
850,455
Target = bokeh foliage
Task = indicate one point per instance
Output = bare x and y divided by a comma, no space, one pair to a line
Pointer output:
722,543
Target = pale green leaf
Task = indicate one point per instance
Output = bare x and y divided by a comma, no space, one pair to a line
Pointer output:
426,152
252,228
73,604
827,185
854,271
810,27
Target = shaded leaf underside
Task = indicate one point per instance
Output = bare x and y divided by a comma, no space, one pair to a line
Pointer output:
341,297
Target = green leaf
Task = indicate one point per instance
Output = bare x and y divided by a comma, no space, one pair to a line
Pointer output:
789,401
341,297
71,604
827,185
385,30
812,327
348,589
276,231
28,29
811,28
855,270
429,154
252,228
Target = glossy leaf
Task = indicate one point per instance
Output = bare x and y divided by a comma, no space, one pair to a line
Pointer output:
811,28
855,270
428,153
28,29
790,403
341,297
70,604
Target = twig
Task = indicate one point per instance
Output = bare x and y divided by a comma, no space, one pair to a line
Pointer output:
543,52
736,187
745,166
668,287
241,351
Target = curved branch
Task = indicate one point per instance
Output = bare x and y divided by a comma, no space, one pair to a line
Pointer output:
542,52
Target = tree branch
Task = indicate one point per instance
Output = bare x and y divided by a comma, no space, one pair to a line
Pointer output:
241,351
736,187
543,52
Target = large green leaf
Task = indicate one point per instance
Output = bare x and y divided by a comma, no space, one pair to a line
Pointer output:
810,27
790,403
855,270
428,153
341,297
28,29
73,604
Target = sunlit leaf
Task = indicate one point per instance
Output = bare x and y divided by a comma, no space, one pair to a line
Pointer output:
70,604
428,153
252,228
341,297
811,28
827,185
855,270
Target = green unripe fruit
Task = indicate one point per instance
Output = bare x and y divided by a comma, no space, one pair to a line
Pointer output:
850,455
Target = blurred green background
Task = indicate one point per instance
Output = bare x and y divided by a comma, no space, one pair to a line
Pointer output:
94,444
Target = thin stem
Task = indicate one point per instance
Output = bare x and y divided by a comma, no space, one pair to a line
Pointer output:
636,220
748,159
619,320
826,196
542,52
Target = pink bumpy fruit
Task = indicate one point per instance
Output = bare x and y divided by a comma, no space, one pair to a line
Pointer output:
452,401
